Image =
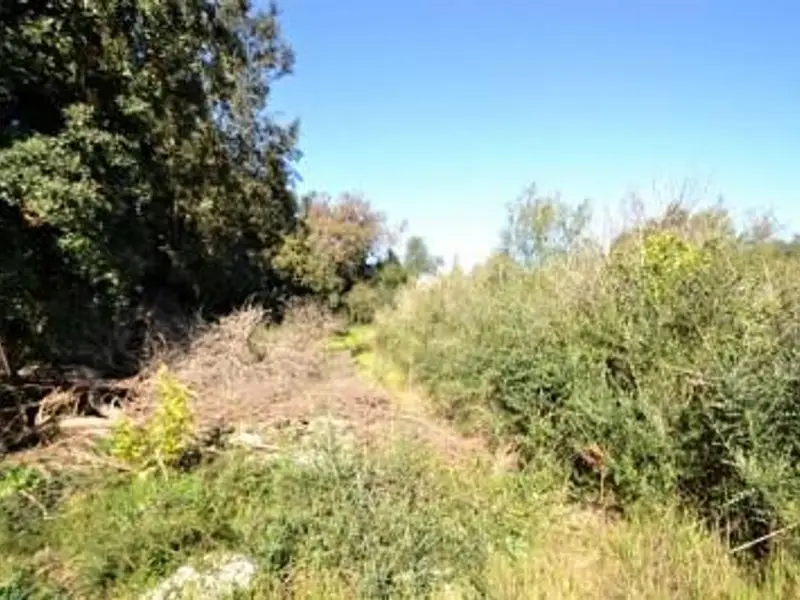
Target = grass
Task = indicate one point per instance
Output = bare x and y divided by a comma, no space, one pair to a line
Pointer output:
359,342
400,524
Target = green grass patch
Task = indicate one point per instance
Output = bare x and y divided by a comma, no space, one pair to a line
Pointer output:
398,524
355,339
359,342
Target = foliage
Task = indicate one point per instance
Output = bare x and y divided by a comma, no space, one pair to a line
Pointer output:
341,252
331,249
418,260
165,438
17,480
541,227
335,517
362,302
136,159
386,524
377,292
674,356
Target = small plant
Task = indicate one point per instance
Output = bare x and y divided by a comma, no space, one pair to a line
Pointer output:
14,591
166,435
18,480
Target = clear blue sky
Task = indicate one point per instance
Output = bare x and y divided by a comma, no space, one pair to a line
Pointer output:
442,111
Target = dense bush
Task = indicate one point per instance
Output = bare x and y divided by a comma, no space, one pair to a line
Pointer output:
669,364
136,160
141,173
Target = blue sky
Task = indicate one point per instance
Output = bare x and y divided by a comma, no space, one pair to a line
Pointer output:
442,111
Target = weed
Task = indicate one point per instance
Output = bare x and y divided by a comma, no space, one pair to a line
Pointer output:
167,434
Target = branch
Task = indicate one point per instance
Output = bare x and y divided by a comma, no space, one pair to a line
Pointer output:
5,368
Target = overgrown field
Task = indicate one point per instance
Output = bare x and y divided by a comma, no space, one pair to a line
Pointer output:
331,513
567,421
646,396
664,370
387,525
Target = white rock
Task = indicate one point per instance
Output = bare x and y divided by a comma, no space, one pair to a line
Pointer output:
235,573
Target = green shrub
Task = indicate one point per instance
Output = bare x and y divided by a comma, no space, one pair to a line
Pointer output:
166,436
362,303
366,298
676,354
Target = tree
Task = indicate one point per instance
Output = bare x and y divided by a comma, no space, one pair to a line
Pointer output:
540,227
137,158
418,260
334,246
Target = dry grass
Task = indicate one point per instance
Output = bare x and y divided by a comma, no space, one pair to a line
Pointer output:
580,554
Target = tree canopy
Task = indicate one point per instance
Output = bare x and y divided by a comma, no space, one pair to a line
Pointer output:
418,259
137,159
539,227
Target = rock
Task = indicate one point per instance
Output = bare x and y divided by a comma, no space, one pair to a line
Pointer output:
249,440
232,574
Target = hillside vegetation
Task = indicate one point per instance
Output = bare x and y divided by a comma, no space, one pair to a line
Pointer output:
196,361
663,369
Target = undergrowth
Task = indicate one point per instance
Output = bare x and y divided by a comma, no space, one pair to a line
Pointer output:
658,378
166,436
393,525
663,370
398,524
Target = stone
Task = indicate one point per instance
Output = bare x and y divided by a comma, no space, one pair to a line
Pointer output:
231,574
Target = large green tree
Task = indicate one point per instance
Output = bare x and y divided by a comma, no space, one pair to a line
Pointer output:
137,159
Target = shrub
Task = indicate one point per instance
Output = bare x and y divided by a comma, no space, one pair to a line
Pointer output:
362,303
167,434
675,355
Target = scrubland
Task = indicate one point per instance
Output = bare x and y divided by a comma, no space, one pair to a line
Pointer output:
611,423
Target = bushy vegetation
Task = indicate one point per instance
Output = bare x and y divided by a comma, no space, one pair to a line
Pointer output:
396,524
166,437
663,368
142,174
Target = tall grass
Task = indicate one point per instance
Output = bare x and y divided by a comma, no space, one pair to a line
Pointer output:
398,524
667,367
